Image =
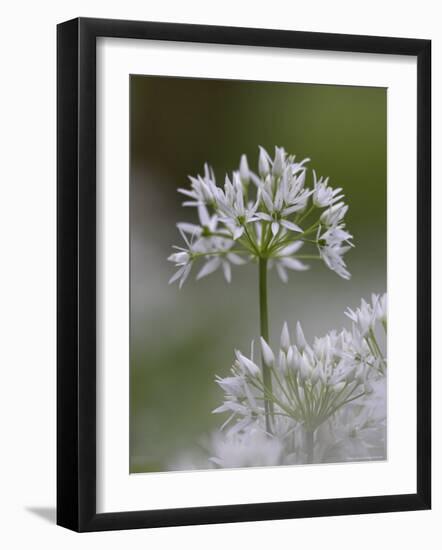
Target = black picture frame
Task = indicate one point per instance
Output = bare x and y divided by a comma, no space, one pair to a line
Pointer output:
76,274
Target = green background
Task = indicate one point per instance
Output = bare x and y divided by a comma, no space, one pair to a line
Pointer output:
181,338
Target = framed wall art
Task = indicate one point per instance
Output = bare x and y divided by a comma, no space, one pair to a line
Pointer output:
243,274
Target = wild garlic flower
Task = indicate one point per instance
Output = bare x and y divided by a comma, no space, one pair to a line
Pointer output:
203,188
311,382
366,319
328,396
323,195
367,315
208,242
379,305
265,216
279,406
231,204
332,254
183,258
282,190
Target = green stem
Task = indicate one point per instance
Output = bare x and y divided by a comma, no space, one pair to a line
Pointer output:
251,241
377,348
309,446
305,215
285,240
264,321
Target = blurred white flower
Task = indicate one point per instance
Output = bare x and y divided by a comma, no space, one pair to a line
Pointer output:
309,382
254,448
364,317
355,433
324,388
379,304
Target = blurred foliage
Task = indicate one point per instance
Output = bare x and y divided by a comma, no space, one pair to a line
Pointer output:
181,339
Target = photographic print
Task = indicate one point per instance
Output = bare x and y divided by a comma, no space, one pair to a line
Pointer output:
258,274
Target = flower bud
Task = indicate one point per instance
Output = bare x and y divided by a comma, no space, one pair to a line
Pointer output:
291,363
179,258
267,353
285,338
246,364
314,377
300,338
278,163
263,163
305,369
282,362
244,172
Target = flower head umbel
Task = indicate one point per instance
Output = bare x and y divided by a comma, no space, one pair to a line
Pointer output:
311,382
266,216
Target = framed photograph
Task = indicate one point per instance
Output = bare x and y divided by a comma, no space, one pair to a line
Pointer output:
243,274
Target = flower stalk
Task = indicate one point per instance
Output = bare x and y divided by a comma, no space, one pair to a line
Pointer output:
310,446
264,324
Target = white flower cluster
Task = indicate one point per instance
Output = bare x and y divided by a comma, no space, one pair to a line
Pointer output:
267,215
328,397
304,402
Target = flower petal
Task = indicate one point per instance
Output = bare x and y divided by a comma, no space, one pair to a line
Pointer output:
291,248
235,259
185,274
282,273
267,200
237,232
189,228
177,274
227,271
294,264
264,216
209,267
291,226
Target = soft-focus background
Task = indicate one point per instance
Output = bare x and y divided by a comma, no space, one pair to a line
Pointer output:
181,338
